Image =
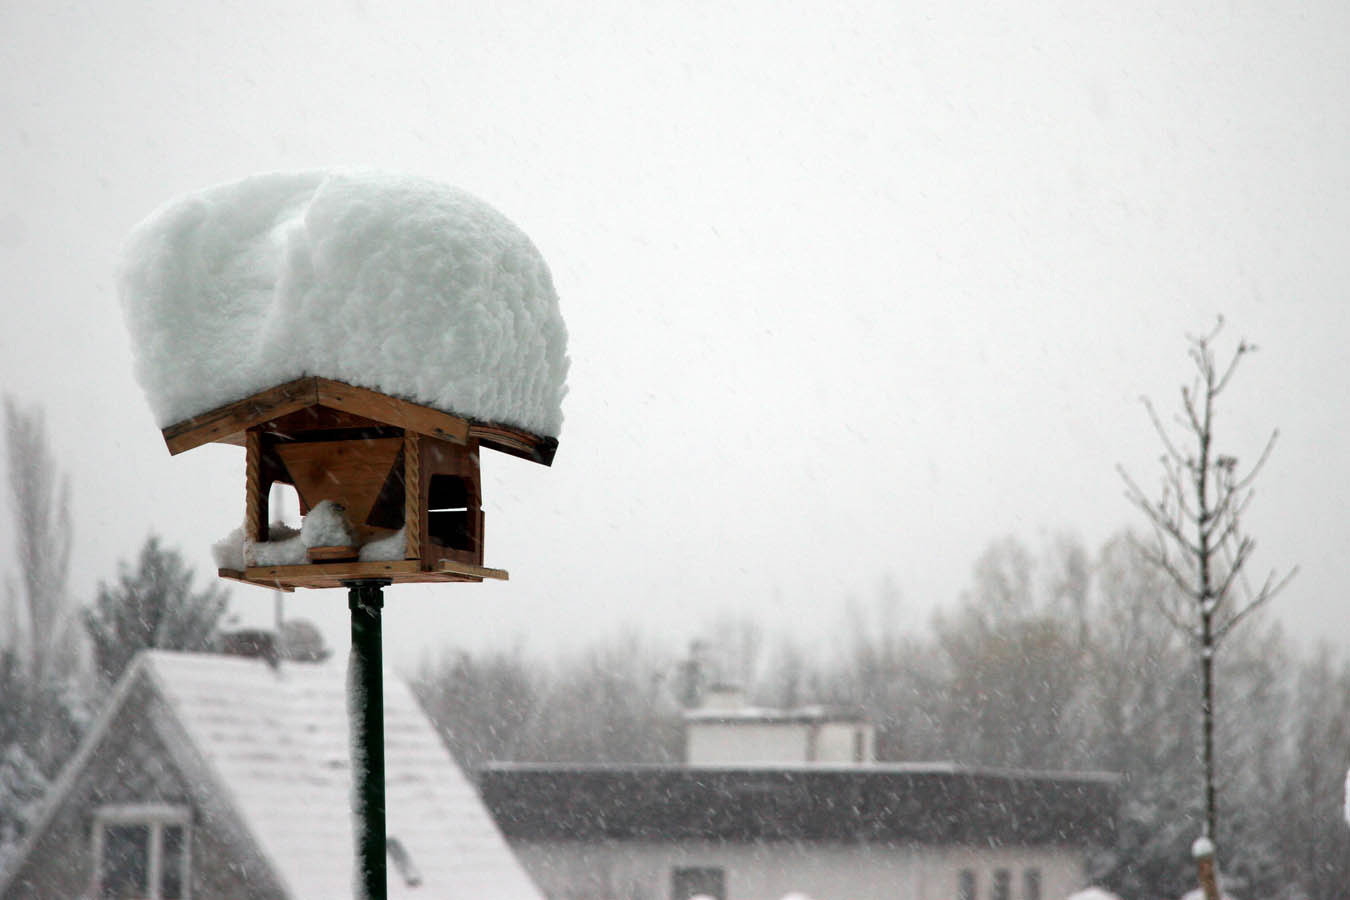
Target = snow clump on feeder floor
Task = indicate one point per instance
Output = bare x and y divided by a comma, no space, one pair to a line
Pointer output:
389,547
327,526
283,547
398,284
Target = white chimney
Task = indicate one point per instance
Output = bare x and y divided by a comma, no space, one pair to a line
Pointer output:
723,697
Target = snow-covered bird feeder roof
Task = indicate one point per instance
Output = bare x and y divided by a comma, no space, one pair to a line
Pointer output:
397,298
361,336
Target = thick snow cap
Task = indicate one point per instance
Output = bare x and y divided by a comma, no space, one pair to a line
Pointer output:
393,283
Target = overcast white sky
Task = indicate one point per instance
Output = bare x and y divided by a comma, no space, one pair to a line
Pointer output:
852,289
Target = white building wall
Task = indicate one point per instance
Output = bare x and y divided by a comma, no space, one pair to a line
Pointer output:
574,870
1063,871
722,743
750,743
838,742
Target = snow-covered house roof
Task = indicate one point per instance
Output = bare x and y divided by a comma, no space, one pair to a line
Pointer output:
263,754
401,285
892,804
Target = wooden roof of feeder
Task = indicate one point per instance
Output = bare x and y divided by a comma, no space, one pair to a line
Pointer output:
336,441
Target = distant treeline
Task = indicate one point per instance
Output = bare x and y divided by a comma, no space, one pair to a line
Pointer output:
1053,660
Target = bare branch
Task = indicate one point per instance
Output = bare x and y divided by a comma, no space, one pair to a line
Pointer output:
1192,415
1260,462
1159,559
1156,512
1268,592
1244,550
1243,349
1135,495
1191,633
1223,509
1162,432
1208,336
1229,532
1174,531
1184,510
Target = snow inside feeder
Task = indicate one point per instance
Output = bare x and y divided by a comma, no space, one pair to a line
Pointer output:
362,336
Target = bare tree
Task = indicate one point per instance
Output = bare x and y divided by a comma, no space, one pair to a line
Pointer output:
41,698
40,608
484,705
43,626
1015,659
1197,522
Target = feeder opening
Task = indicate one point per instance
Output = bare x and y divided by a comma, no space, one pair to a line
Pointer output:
284,504
448,512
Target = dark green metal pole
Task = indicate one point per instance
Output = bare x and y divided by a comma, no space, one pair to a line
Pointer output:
365,708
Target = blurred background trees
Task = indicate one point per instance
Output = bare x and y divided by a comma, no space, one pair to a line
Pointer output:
152,605
41,647
53,672
1055,659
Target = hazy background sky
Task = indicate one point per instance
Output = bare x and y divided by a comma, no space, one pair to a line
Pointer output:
851,289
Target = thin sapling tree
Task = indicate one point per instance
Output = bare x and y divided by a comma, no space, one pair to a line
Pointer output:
1199,540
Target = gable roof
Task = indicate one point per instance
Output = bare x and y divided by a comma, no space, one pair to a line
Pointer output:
931,804
271,745
227,424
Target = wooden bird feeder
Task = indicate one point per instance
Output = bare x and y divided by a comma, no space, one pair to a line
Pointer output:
392,464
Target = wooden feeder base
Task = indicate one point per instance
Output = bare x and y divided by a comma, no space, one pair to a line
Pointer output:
332,575
333,554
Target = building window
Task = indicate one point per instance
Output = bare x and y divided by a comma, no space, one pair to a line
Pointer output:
141,852
698,882
1031,884
965,885
1002,885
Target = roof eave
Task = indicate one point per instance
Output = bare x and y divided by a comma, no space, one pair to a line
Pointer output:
227,424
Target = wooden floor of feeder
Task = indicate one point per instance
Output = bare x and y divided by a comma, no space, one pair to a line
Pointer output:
332,575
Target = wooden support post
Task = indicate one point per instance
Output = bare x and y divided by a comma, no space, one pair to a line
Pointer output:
255,497
412,495
365,701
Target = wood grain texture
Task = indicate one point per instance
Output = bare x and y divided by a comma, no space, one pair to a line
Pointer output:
440,458
255,503
229,420
412,496
333,575
347,472
392,411
284,407
515,442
